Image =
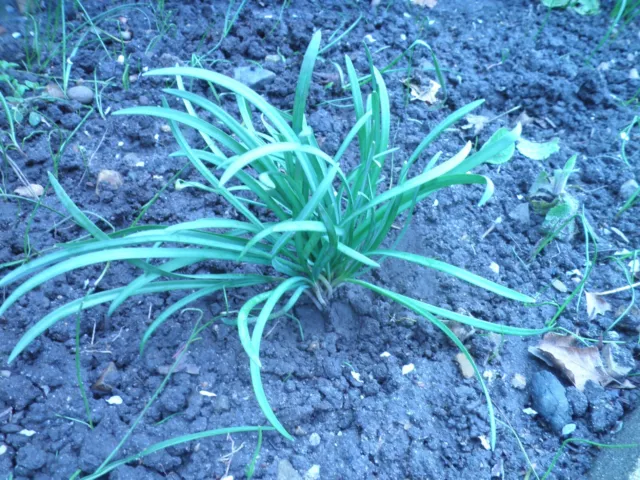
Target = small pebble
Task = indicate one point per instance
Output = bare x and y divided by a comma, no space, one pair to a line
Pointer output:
81,94
518,381
314,439
628,188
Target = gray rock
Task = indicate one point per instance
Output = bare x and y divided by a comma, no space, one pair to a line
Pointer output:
253,77
549,399
314,439
521,214
618,360
287,472
604,407
31,457
222,403
628,188
18,392
313,473
81,94
578,401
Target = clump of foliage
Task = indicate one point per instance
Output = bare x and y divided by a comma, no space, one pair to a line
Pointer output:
549,197
582,7
319,227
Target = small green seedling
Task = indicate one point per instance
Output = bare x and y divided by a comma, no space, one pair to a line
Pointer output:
549,197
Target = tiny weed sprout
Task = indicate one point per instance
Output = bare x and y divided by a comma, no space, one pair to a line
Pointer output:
303,225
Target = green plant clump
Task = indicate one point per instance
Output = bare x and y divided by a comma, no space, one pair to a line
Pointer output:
319,227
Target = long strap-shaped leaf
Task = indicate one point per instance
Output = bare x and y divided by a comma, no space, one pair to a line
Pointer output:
304,81
435,133
457,272
121,254
211,241
274,116
90,301
408,197
256,337
471,321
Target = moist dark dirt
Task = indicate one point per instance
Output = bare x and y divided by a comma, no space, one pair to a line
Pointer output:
427,424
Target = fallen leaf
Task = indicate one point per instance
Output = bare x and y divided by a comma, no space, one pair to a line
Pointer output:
477,122
578,364
538,151
465,365
596,305
101,385
460,330
408,368
33,190
111,177
525,119
425,3
428,95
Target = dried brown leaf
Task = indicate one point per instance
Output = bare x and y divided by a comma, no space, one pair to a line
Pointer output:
578,364
33,190
596,305
425,94
525,119
101,385
477,122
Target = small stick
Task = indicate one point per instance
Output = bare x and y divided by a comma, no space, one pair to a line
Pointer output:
619,289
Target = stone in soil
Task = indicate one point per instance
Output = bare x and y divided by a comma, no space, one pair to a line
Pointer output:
549,399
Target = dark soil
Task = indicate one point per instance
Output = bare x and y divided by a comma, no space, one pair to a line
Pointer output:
423,425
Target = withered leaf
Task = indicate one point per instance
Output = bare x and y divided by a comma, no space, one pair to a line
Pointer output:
477,122
33,190
578,364
424,94
596,305
101,385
